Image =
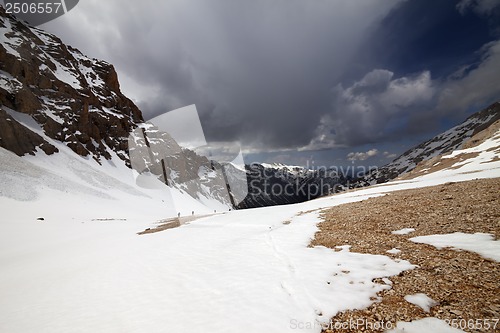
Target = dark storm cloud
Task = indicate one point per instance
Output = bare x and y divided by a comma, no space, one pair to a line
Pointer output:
373,109
284,74
480,7
381,107
437,36
258,71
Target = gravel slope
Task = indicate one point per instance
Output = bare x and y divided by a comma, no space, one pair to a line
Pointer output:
466,285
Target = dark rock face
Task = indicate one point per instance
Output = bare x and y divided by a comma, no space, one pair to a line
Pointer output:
20,140
443,143
268,186
75,99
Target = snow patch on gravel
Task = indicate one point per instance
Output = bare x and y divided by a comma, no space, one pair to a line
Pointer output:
403,231
421,300
480,243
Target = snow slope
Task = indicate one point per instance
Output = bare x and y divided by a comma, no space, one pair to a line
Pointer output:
68,187
249,270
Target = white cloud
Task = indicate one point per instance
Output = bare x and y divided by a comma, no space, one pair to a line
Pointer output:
404,92
360,156
389,155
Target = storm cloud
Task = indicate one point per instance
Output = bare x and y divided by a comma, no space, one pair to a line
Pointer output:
258,71
276,75
380,107
372,109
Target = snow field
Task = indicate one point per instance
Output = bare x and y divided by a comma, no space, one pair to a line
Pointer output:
84,268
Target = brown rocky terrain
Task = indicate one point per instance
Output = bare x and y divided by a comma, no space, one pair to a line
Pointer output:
465,285
170,223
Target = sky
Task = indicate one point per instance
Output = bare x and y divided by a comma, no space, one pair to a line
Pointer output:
301,82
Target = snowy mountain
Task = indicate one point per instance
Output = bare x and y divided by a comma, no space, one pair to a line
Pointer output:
64,103
56,102
82,175
74,121
445,142
268,183
278,184
75,99
482,148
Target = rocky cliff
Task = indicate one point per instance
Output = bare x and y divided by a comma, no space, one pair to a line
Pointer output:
445,142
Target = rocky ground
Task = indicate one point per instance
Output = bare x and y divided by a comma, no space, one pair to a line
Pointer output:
465,285
170,223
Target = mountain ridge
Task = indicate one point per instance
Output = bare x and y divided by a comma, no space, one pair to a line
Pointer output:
76,99
447,141
53,97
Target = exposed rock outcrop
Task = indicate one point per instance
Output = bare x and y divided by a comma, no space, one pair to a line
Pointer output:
75,99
